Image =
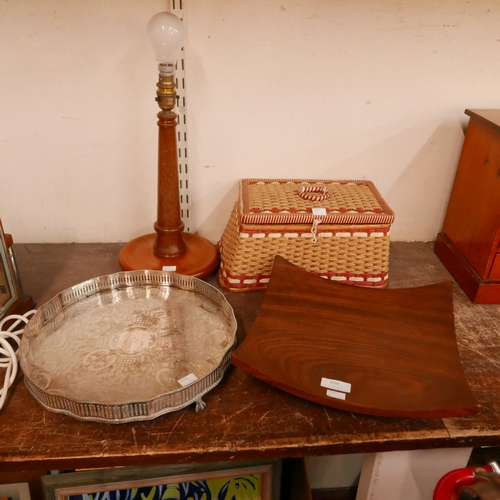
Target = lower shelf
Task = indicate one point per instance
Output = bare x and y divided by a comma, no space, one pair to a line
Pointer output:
347,493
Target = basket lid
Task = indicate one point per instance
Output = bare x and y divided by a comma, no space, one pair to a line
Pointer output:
302,201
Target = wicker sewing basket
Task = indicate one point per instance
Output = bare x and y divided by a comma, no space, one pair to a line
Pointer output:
336,229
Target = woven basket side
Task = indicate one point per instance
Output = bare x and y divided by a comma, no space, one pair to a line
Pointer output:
230,240
255,256
329,255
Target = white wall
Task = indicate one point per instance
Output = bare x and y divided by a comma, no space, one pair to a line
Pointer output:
336,471
334,89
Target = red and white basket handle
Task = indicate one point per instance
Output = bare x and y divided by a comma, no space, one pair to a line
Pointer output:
314,193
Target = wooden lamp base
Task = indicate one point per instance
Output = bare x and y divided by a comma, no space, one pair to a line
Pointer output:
170,246
200,259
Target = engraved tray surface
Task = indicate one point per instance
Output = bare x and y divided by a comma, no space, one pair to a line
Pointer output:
114,348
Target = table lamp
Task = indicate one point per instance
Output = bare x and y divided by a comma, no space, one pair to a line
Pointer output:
169,248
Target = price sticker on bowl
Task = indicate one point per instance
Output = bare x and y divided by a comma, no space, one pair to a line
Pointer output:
336,385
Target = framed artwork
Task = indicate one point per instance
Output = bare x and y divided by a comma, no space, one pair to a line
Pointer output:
9,287
15,491
257,480
12,300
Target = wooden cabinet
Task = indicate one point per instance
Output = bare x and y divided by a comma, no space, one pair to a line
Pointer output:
469,243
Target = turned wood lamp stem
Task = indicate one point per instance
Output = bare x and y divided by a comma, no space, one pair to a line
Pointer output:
168,226
169,248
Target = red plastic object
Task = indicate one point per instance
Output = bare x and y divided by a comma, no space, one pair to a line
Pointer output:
449,486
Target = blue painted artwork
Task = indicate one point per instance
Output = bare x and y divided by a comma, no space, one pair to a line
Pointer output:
247,487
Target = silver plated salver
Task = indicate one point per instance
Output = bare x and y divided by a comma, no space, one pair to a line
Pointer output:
128,346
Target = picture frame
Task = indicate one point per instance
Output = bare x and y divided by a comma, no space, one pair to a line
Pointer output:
15,491
254,480
10,291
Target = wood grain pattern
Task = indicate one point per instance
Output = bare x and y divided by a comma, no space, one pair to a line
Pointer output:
200,258
469,241
473,216
245,417
478,290
168,225
170,246
396,348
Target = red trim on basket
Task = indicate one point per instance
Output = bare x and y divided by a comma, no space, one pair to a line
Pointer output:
293,210
242,277
343,216
304,181
328,275
340,230
244,286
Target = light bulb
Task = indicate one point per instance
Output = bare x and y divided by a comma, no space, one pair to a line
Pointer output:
166,35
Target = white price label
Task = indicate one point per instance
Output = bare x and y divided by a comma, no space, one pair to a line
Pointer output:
335,394
188,379
169,268
319,211
336,385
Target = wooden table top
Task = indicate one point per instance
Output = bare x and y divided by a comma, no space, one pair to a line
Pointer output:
245,418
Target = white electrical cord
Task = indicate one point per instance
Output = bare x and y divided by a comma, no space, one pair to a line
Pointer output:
8,354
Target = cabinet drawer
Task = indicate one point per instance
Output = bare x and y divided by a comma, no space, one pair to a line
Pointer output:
495,268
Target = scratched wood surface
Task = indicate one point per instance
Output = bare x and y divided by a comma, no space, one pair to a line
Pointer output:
245,418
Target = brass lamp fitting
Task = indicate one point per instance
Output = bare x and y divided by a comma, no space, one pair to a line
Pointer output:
166,94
